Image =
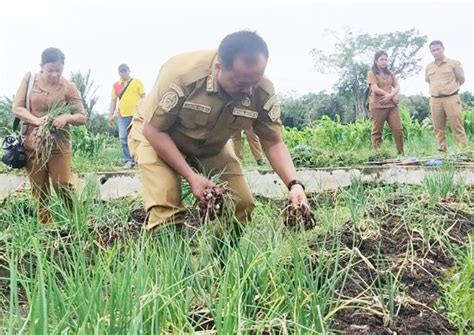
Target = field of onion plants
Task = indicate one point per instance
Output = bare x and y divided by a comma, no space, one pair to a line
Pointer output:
378,259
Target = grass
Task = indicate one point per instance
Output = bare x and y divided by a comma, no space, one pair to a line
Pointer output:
108,159
356,198
160,286
94,270
443,182
63,278
309,148
458,299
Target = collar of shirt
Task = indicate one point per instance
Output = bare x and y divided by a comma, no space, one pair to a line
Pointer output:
444,60
39,81
212,85
211,81
123,82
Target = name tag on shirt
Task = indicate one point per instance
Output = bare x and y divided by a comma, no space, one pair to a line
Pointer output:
245,113
197,107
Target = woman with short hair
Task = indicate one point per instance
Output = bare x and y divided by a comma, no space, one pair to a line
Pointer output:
49,89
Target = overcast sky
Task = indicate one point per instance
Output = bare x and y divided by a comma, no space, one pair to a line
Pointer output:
101,34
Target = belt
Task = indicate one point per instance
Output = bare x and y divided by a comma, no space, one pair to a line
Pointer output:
444,96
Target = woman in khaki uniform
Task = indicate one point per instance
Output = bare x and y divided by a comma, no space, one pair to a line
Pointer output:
49,88
383,102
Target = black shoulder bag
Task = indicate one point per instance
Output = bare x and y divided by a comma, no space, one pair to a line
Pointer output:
13,152
367,93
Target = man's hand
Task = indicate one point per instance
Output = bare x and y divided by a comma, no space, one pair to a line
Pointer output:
297,196
111,118
199,184
61,121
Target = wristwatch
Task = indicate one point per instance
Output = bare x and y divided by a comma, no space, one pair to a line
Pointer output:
294,182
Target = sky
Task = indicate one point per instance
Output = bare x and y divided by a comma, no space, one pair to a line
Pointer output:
99,35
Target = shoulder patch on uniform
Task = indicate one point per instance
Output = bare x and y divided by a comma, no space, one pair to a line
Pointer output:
270,102
245,113
267,85
275,112
197,107
169,100
178,89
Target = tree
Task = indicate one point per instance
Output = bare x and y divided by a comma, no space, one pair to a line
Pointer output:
6,115
302,111
353,57
87,90
467,98
417,105
99,124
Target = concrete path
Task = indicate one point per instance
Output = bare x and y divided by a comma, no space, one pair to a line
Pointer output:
264,183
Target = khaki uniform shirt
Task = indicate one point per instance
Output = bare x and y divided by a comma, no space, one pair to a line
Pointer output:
384,82
41,100
442,77
187,102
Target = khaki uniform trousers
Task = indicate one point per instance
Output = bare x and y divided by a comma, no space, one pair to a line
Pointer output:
392,116
58,169
254,144
162,185
448,108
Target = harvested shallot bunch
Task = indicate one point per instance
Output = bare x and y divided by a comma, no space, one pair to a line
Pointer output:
49,137
300,216
214,203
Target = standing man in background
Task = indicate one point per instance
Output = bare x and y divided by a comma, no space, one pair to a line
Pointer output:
128,91
254,144
445,76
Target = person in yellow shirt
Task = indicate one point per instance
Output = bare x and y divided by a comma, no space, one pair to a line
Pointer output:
128,92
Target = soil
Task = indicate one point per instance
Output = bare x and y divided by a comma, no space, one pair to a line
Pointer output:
138,215
410,320
416,320
109,236
385,250
295,217
201,319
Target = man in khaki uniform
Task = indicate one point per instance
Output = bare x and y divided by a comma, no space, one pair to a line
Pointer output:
254,144
445,76
199,100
